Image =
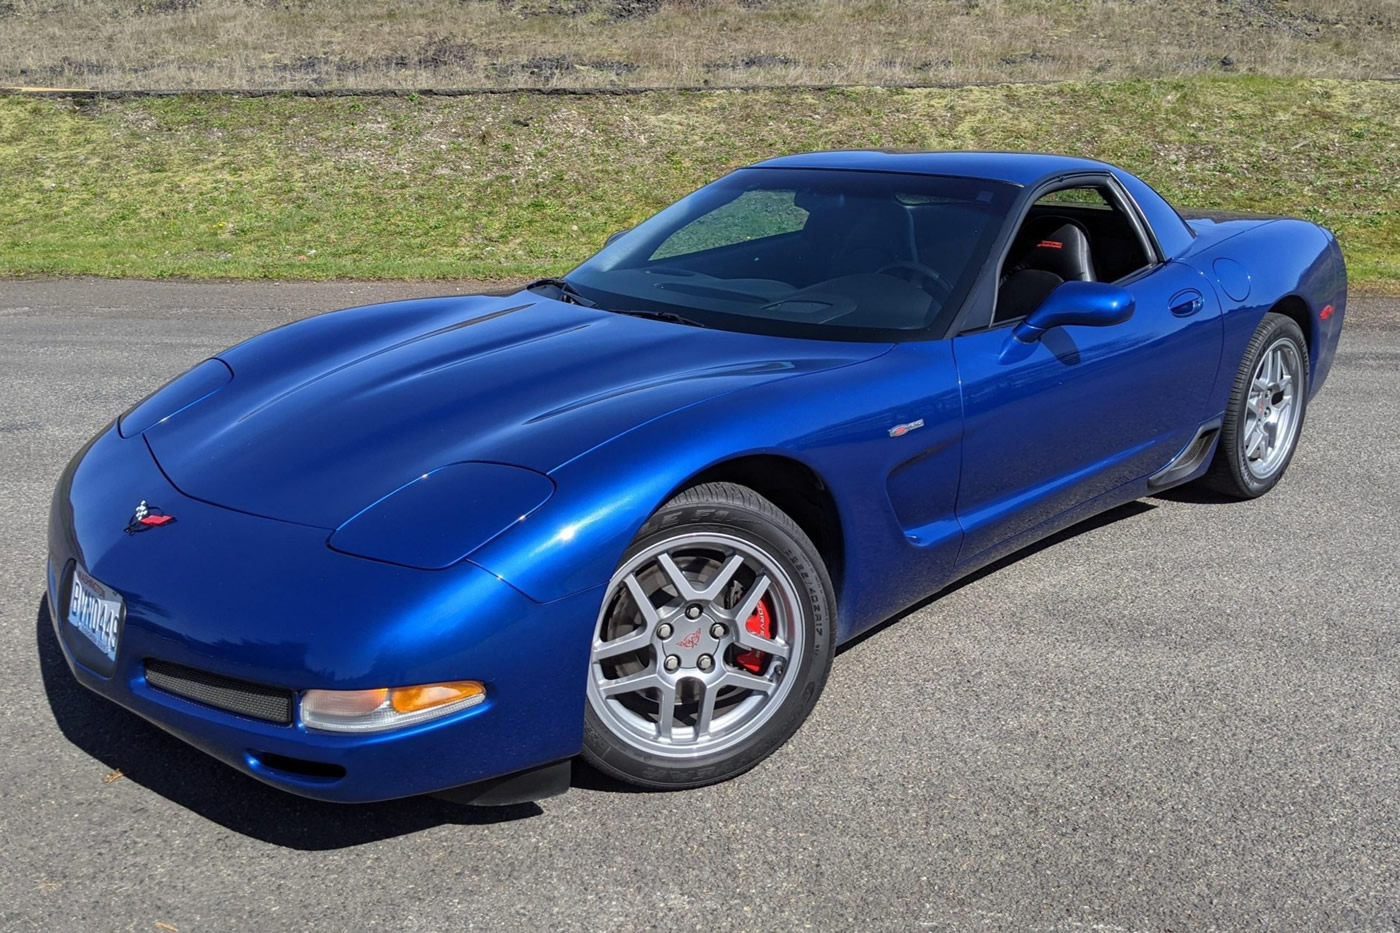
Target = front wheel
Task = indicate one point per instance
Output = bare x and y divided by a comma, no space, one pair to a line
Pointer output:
712,645
1265,414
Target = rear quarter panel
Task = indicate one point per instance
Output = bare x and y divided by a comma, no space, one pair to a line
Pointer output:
1256,266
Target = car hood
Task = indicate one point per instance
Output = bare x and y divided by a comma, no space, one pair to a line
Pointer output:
324,416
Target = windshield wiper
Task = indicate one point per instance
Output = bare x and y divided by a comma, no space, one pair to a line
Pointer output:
566,291
668,316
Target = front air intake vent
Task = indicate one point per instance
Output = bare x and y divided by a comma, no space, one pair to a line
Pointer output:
256,701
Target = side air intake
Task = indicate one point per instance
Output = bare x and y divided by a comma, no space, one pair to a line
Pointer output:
1189,460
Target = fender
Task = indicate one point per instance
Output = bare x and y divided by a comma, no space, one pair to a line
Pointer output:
895,492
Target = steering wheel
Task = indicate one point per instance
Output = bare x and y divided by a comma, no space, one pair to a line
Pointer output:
927,274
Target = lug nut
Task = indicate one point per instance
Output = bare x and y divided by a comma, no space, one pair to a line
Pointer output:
663,631
705,663
718,630
693,612
672,662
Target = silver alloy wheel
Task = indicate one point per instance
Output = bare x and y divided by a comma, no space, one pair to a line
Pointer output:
1271,409
664,673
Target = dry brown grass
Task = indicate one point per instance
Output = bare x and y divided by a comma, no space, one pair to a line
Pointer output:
116,44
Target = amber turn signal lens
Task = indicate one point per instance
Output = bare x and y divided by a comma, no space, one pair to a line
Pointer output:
387,707
415,699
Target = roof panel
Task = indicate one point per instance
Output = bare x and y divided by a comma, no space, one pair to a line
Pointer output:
1021,168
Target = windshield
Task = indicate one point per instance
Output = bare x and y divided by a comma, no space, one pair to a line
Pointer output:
806,252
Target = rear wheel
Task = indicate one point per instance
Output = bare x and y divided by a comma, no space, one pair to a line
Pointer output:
713,642
1265,414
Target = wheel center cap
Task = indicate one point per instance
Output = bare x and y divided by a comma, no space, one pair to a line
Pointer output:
690,640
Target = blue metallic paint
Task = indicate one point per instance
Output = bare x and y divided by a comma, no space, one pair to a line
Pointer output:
1099,406
267,601
523,380
1086,304
320,442
451,512
172,398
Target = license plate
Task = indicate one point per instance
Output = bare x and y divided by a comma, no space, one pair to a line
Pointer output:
95,610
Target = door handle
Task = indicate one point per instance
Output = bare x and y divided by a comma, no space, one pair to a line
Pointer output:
1186,303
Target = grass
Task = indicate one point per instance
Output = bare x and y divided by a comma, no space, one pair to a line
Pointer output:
110,44
503,186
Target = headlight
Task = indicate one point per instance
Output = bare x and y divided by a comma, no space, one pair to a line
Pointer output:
387,707
442,516
175,396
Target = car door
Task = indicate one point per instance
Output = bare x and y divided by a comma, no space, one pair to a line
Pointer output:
1053,424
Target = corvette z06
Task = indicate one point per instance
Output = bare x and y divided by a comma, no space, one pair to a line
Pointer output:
447,546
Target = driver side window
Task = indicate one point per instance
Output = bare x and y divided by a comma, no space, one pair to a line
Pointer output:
1077,233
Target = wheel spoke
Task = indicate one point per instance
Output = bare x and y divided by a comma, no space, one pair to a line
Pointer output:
665,711
751,642
1255,440
751,598
707,712
631,684
687,590
627,644
644,606
747,682
721,578
684,589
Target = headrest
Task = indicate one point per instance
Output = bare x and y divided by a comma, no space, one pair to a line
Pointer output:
1058,245
1023,292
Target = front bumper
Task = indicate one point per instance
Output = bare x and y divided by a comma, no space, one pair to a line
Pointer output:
269,603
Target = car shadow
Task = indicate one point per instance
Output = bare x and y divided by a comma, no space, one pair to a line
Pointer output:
587,777
1128,510
1195,493
188,777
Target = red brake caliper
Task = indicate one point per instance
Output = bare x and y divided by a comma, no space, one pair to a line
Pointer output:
761,624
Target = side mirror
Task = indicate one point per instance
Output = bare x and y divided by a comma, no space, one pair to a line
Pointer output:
1088,304
615,236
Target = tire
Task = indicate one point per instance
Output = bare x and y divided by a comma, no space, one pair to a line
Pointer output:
724,575
1269,396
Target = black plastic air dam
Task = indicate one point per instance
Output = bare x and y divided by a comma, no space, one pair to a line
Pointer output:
521,787
1192,456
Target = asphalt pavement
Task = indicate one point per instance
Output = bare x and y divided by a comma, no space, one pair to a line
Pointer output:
1182,715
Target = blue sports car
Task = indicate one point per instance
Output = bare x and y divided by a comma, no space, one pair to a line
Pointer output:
447,546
